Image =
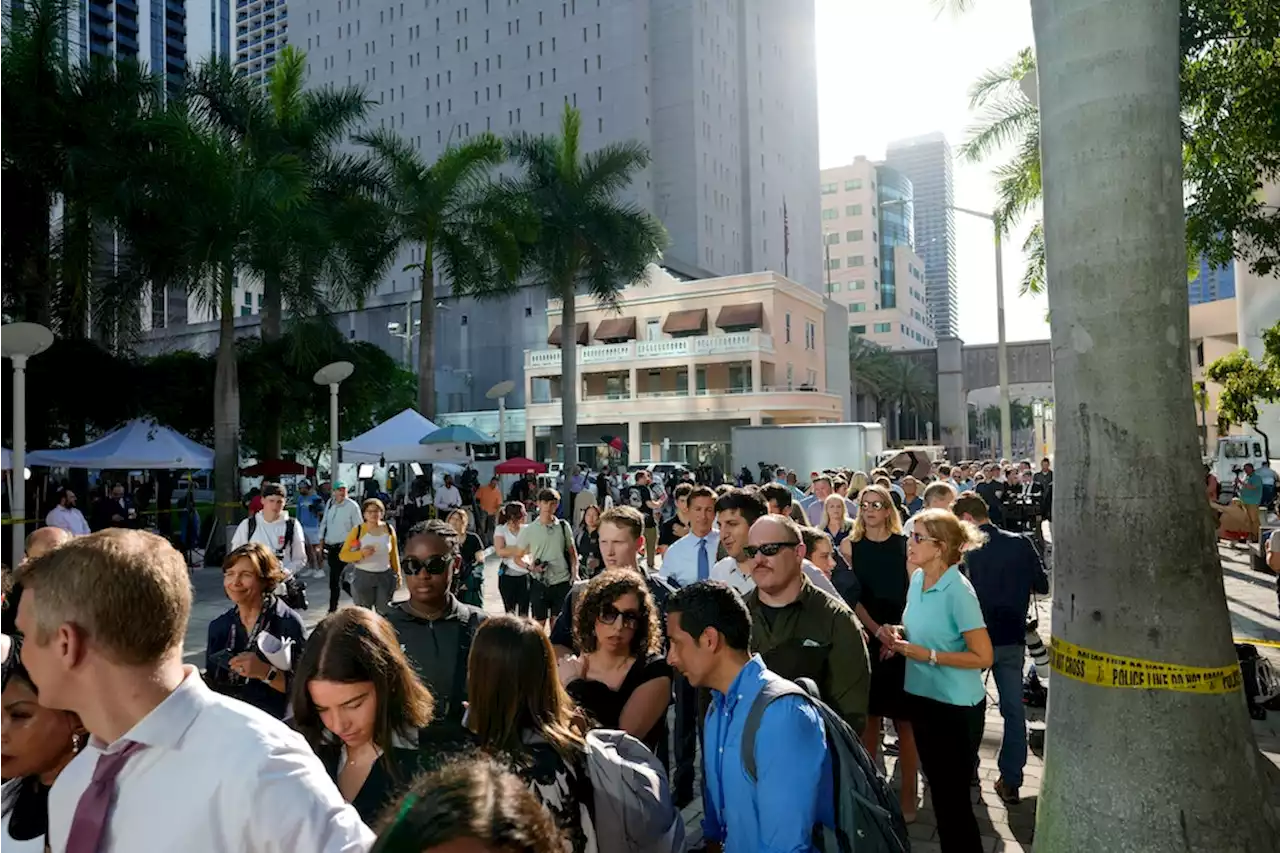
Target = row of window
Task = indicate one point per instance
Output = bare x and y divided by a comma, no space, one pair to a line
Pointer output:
834,187
852,261
879,329
829,213
810,332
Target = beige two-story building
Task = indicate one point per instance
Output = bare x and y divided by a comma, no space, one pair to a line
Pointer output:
674,365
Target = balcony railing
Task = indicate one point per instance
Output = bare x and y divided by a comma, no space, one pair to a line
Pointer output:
682,393
736,342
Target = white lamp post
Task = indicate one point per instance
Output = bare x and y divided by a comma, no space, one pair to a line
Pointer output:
20,341
499,392
333,375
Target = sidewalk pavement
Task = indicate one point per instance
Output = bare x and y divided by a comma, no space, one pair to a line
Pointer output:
1251,598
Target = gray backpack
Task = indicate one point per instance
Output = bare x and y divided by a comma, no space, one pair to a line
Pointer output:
630,798
868,816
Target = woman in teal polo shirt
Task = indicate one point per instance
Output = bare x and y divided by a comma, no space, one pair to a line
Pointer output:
944,639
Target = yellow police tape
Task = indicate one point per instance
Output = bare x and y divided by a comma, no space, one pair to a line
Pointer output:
1108,670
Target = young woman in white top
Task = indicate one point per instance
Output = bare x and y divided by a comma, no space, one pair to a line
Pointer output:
513,575
371,547
38,743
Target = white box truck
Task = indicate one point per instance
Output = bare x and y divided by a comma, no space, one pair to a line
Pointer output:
804,448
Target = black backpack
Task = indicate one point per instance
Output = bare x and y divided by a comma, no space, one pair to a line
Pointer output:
295,591
868,815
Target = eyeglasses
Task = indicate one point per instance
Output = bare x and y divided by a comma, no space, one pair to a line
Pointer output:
437,565
769,549
917,538
873,505
610,614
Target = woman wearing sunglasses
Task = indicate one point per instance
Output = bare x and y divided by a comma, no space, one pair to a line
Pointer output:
945,643
621,679
875,586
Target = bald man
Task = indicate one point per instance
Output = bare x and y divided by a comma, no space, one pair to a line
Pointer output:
44,540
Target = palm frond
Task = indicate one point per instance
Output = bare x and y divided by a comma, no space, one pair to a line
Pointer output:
1033,277
1002,80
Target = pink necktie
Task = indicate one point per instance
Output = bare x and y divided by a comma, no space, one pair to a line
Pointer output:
90,821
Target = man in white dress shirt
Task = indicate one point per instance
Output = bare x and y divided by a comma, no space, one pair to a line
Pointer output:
181,768
66,516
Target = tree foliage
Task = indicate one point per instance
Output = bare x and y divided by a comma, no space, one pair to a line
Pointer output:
1245,382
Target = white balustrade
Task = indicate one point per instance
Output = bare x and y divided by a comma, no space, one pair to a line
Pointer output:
736,342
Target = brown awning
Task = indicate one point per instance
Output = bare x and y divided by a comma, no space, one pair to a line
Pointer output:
617,329
581,334
686,322
749,315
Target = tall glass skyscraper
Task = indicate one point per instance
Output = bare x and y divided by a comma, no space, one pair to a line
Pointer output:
1212,283
926,161
262,31
897,213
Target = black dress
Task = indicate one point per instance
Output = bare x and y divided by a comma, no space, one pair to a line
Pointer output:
604,705
389,777
588,547
466,584
881,571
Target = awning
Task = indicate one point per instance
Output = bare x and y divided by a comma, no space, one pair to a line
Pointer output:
554,338
746,316
617,329
685,322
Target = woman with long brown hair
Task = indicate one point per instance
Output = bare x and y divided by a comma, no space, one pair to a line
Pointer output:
524,719
360,705
875,586
513,573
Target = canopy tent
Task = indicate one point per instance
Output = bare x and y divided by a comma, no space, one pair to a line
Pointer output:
520,465
398,440
138,445
458,434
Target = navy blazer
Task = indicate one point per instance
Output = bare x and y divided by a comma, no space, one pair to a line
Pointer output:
1004,572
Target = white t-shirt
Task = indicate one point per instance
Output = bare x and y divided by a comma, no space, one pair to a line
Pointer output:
447,498
293,555
510,566
69,519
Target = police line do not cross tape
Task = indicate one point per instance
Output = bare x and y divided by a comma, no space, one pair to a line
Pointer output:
1107,670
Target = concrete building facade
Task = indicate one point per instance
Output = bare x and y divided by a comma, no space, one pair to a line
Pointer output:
675,365
926,162
871,265
262,31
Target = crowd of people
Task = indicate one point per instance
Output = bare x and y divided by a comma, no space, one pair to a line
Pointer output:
414,719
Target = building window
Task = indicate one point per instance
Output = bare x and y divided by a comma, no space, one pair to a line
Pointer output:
882,328
833,264
787,328
791,372
830,213
855,236
859,330
859,284
857,307
853,210
833,239
857,261
855,184
835,287
810,335
828,189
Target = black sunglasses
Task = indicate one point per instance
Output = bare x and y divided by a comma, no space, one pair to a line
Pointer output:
609,615
437,565
873,505
769,549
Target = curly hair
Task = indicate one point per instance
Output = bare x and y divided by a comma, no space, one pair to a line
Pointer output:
606,588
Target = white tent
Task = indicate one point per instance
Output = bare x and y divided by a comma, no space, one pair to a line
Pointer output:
397,440
136,445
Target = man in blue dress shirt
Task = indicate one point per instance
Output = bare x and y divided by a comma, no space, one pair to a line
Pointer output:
709,629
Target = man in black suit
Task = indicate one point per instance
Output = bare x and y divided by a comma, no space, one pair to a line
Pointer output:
993,490
1005,572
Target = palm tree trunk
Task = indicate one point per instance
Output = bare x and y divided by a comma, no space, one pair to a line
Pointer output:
272,308
1161,769
427,338
568,376
226,423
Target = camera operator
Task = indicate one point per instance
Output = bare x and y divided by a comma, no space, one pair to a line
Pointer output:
1004,572
1024,507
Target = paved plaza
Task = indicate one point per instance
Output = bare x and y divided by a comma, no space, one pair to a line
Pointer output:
1251,597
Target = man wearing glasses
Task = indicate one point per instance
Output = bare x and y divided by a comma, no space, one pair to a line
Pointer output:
800,631
434,627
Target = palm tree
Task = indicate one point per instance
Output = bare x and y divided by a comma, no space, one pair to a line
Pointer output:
587,239
868,364
1008,117
440,208
1191,777
904,387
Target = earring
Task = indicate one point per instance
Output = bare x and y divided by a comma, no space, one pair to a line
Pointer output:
77,743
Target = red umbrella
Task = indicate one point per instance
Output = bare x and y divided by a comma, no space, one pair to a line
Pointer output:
520,465
278,468
614,442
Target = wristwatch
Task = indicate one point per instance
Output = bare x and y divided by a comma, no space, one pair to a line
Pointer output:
271,675
933,657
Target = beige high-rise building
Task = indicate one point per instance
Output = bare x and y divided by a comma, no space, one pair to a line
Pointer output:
871,263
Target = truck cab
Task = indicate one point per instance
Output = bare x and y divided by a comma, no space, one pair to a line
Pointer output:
1233,452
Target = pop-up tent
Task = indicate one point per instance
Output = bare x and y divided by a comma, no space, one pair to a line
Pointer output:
398,440
136,445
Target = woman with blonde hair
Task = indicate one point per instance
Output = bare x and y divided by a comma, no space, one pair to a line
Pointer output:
875,586
944,640
468,581
837,524
371,547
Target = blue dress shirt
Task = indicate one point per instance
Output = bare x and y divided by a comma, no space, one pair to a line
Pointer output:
680,563
793,790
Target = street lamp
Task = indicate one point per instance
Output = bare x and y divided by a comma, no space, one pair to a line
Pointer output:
1002,350
20,341
333,375
499,392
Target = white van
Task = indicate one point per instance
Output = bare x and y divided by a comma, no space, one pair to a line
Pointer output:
1233,452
